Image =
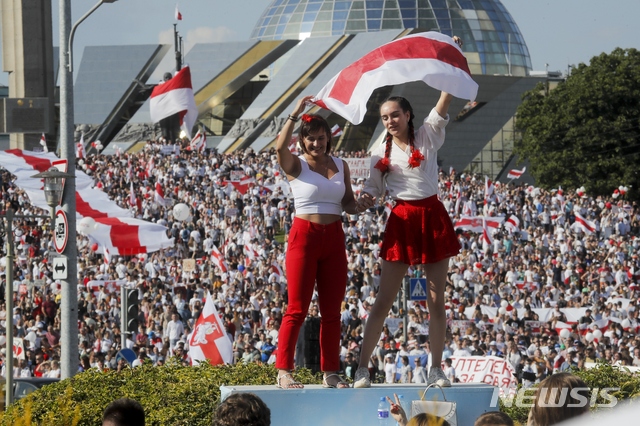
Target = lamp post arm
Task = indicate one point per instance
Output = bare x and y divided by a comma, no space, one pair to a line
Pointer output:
73,31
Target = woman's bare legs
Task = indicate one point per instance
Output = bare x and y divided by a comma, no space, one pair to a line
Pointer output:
390,281
436,277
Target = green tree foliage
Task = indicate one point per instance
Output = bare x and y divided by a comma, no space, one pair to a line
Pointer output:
586,131
171,395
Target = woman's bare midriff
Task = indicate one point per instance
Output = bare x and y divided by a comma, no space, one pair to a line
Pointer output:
322,219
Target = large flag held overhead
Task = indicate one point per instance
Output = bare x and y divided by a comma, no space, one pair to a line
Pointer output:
126,236
515,173
430,57
475,223
91,203
209,340
175,96
583,224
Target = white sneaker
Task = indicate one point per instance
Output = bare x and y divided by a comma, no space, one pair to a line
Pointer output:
436,375
362,379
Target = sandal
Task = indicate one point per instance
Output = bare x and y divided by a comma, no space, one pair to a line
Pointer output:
291,383
335,384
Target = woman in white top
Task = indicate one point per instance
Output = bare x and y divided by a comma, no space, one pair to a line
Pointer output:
419,230
321,186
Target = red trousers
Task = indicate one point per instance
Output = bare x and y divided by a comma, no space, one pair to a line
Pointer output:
315,255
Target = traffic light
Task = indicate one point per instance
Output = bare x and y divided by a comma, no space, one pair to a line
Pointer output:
131,310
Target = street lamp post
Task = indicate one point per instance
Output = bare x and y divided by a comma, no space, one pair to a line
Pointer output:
53,182
69,291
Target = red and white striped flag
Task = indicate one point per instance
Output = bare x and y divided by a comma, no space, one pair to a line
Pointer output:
585,225
126,236
488,189
133,201
387,208
218,259
43,142
199,142
276,269
118,151
486,232
175,96
515,174
430,57
148,170
159,195
80,147
293,145
178,15
209,340
106,257
512,224
250,252
475,223
336,131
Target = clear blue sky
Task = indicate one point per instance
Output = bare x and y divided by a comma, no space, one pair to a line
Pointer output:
557,32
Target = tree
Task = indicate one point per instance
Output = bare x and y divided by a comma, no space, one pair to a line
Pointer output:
586,131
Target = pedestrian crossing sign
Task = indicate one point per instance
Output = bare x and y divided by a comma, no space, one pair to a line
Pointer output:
418,289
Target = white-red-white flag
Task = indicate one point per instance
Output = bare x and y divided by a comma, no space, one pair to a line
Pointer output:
133,201
148,170
80,147
209,340
178,15
336,131
43,142
488,189
159,195
199,142
106,256
250,252
583,224
218,259
276,269
126,236
475,223
512,224
118,151
486,232
175,96
431,57
515,174
387,208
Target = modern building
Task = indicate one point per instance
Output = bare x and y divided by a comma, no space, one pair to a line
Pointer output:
244,90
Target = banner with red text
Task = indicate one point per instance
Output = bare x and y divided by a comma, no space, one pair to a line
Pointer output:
491,370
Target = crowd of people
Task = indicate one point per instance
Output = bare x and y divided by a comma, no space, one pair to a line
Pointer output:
241,205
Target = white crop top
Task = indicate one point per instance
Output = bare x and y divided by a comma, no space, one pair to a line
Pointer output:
314,193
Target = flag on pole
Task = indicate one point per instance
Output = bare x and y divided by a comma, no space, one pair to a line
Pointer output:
486,232
477,223
431,57
488,189
178,15
512,224
149,168
159,195
336,131
199,142
106,257
80,147
209,340
175,96
515,174
583,224
218,259
43,142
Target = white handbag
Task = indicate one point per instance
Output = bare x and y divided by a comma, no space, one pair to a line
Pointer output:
443,409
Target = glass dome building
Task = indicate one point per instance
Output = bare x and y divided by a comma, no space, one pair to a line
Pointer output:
492,41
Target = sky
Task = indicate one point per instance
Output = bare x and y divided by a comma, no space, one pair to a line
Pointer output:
557,32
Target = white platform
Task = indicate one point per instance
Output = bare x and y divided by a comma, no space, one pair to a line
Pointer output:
316,406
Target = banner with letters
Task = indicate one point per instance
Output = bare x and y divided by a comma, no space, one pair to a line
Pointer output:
491,370
359,167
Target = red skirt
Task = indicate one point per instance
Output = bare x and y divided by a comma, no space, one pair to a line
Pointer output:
419,232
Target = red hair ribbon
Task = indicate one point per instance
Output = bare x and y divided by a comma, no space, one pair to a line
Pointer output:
307,118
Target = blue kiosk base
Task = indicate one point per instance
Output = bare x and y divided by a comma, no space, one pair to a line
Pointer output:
316,406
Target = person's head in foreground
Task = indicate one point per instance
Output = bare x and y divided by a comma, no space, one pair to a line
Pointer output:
242,409
493,418
424,419
555,402
123,412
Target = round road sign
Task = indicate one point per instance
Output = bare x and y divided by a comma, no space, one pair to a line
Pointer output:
61,231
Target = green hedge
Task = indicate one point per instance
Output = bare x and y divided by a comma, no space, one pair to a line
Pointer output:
171,394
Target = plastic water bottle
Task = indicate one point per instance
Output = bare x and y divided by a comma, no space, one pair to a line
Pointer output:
405,407
383,412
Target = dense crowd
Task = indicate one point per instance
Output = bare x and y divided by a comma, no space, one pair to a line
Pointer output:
540,271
